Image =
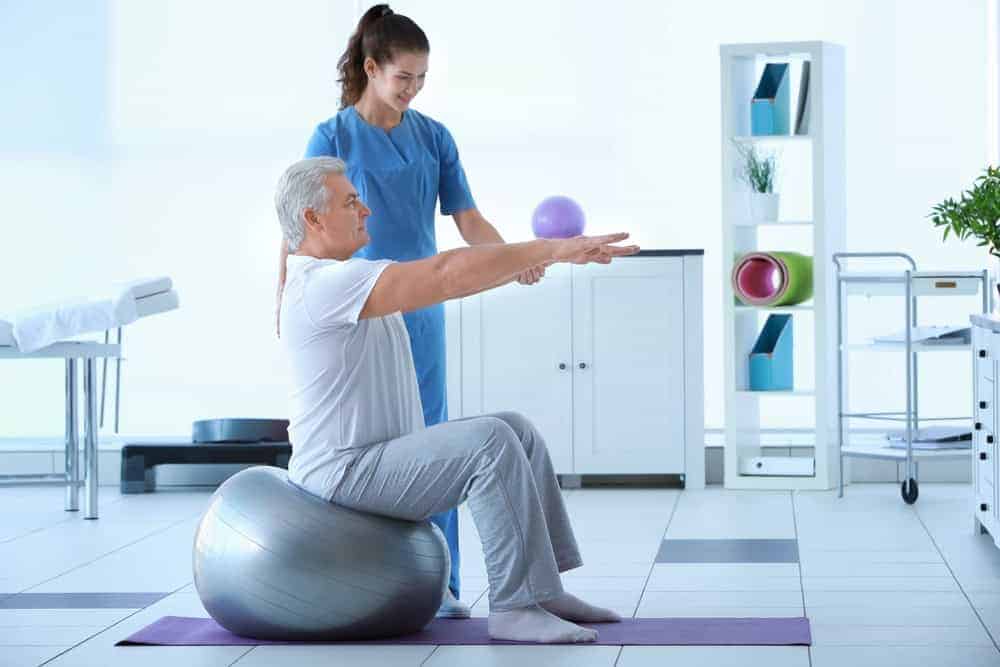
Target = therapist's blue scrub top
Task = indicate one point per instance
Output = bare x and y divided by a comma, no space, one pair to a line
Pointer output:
400,174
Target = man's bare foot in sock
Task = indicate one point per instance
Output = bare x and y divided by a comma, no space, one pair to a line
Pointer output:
534,624
574,609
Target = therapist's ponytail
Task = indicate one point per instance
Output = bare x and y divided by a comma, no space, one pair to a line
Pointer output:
380,35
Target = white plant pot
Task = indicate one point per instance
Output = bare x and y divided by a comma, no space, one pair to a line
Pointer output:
763,206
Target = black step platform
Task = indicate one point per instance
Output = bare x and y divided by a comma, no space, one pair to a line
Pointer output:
250,441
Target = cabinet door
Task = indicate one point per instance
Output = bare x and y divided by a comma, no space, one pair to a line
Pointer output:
514,340
628,338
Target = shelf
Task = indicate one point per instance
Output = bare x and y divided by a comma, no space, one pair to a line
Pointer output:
886,452
794,392
917,347
774,309
775,223
776,138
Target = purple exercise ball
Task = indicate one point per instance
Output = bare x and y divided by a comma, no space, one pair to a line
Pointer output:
557,217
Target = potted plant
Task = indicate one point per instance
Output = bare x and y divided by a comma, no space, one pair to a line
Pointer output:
757,170
976,213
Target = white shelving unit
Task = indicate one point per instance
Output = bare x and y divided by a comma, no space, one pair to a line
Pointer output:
813,162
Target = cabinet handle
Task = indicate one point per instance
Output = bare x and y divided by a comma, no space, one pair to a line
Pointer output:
583,366
982,507
979,426
562,366
982,456
982,405
989,439
982,354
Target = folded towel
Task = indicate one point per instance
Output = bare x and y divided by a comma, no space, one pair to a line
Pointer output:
37,327
148,286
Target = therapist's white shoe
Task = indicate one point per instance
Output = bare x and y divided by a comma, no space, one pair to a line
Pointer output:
451,607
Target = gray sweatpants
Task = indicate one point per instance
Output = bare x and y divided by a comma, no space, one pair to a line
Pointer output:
498,462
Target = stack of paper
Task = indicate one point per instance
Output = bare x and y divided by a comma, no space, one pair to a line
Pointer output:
933,437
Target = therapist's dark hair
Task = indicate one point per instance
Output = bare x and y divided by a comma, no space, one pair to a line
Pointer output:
380,35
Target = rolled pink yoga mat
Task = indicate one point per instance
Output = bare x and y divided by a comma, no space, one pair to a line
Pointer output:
773,278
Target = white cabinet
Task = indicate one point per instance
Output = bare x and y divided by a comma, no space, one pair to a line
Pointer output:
985,353
605,360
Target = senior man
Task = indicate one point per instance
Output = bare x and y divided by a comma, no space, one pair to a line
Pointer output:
357,429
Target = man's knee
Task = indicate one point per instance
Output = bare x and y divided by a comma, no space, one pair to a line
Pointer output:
501,438
521,425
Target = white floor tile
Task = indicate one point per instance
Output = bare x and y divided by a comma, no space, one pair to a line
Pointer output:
524,656
884,656
679,582
10,618
733,515
865,635
880,584
903,615
850,557
716,656
159,563
40,556
884,598
726,570
28,656
100,651
834,568
741,604
46,635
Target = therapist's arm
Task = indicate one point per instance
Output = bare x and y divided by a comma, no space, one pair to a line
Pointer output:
409,286
477,230
282,272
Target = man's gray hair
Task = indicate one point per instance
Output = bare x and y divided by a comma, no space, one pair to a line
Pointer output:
302,186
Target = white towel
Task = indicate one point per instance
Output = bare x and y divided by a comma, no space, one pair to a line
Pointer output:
35,328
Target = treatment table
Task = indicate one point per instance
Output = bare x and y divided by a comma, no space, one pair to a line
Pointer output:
31,334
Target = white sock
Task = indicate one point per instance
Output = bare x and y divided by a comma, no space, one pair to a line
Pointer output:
574,609
534,624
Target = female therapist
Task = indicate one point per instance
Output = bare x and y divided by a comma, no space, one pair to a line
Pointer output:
401,162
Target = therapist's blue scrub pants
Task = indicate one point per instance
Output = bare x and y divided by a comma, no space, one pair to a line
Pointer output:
426,329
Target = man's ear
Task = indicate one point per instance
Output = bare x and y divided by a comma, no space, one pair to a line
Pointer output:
311,219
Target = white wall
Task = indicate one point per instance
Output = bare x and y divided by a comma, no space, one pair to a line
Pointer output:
151,136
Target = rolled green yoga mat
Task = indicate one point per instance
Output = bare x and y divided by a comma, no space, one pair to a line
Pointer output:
753,278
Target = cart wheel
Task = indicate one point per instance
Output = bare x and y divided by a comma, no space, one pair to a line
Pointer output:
910,491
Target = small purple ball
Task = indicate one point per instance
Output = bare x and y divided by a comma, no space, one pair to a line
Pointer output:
557,217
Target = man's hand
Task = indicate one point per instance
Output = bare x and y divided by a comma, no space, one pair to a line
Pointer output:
587,249
531,276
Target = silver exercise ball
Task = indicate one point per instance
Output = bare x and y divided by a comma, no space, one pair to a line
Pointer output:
272,561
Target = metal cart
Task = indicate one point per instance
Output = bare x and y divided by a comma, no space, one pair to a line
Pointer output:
911,284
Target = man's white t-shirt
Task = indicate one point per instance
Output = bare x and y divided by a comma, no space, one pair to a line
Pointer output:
353,381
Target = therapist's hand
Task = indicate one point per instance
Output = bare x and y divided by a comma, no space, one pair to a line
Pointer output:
591,249
531,276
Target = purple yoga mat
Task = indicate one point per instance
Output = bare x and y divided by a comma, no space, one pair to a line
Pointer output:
186,631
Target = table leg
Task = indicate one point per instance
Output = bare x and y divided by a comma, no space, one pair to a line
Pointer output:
72,443
90,439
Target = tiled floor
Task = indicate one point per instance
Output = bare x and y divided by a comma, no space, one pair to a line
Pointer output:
882,583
